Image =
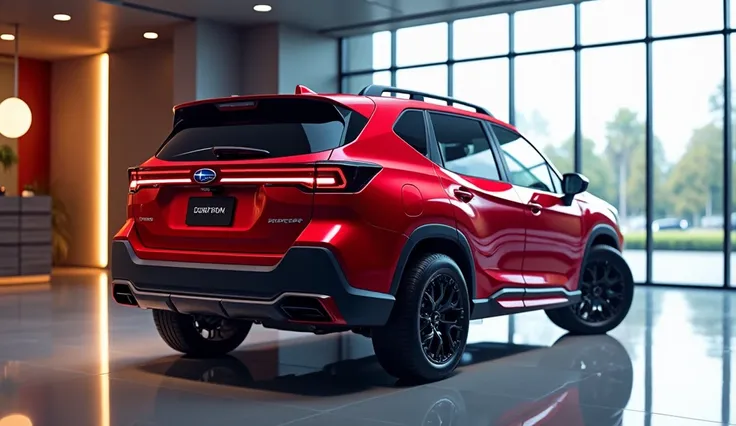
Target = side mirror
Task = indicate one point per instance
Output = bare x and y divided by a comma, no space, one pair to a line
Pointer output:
573,184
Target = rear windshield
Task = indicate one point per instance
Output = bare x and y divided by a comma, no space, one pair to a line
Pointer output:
280,127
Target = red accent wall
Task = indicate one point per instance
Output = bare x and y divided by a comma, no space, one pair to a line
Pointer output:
34,87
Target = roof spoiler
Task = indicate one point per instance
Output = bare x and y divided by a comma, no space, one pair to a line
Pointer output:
303,90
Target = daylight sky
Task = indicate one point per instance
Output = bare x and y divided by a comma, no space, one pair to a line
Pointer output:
686,71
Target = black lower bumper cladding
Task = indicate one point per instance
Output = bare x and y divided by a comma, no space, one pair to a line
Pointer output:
247,292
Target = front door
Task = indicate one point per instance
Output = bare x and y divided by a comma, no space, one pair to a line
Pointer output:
488,211
554,231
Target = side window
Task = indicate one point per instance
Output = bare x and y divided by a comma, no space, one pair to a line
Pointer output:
464,146
410,127
526,165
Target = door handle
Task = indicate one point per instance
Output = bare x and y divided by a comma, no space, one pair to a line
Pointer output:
463,195
535,208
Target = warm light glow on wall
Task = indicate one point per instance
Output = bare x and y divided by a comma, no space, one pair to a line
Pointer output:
104,348
102,160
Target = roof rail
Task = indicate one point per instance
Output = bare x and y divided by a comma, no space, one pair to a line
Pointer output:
378,90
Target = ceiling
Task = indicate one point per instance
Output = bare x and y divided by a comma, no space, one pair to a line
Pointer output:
95,27
101,25
341,17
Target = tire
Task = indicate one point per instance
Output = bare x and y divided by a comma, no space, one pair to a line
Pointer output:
571,318
180,332
398,345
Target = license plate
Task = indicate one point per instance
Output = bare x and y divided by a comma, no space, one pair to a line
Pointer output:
210,211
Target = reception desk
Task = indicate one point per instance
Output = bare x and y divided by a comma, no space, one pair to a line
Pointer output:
25,239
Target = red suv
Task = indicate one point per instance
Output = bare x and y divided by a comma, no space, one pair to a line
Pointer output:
395,218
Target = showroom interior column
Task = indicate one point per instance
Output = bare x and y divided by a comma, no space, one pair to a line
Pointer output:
358,57
214,60
578,144
649,141
207,61
727,147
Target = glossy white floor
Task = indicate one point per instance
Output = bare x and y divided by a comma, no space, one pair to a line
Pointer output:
69,356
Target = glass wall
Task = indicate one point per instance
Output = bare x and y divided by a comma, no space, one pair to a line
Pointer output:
632,93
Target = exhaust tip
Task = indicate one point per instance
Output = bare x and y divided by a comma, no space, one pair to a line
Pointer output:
122,294
306,309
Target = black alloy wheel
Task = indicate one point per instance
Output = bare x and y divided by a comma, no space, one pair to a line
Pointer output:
425,336
441,316
214,328
602,290
200,336
606,294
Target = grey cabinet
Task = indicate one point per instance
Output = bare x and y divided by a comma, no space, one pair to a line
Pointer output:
25,236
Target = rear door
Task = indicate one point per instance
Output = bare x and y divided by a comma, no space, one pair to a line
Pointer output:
554,230
239,177
488,211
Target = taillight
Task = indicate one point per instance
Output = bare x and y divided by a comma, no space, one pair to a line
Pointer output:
138,179
324,176
305,177
352,176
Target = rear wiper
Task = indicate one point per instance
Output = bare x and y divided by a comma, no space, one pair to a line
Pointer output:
233,152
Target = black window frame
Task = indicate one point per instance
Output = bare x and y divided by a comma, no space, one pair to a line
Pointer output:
432,154
507,174
489,139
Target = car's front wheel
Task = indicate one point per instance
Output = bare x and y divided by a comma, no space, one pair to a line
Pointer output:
200,336
426,334
607,291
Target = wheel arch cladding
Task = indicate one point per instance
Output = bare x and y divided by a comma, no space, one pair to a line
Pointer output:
437,238
601,235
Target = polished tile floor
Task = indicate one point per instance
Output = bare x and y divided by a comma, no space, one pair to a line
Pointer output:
68,356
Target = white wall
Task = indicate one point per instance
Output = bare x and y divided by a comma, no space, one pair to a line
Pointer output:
207,61
260,60
185,63
218,60
307,58
214,60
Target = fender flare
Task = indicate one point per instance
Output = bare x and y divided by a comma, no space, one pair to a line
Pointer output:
597,231
432,231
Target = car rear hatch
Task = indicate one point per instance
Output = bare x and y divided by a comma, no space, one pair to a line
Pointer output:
239,176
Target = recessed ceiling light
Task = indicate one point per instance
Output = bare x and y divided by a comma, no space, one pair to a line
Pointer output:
150,35
62,17
262,8
7,37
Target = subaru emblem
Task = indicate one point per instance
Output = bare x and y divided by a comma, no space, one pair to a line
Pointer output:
204,175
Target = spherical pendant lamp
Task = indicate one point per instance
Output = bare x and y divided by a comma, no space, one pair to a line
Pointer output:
15,114
15,118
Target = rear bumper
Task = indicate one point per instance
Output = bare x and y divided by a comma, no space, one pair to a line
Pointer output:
305,274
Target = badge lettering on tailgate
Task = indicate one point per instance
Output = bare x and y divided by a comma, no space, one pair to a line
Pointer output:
286,220
209,210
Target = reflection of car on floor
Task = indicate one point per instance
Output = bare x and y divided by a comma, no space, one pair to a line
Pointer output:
398,219
575,382
670,224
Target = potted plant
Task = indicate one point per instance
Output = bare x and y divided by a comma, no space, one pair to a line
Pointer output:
28,191
8,157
